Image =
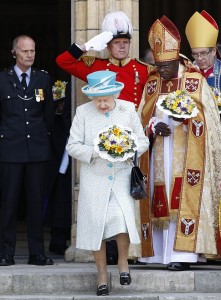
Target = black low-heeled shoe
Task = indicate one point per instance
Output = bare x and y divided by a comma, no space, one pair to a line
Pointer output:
177,266
102,290
125,278
40,260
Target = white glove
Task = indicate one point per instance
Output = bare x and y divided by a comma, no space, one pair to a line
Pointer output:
99,42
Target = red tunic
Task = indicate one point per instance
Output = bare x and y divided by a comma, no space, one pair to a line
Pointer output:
133,73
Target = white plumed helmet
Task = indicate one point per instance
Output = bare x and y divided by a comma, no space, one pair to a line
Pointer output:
119,24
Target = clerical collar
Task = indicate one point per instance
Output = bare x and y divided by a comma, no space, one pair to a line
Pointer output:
207,72
119,63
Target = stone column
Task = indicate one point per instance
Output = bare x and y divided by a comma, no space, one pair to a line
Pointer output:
87,17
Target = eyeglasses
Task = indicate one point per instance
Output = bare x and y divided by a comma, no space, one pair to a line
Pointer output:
201,54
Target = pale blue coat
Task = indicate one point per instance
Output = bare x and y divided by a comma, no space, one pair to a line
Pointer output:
98,177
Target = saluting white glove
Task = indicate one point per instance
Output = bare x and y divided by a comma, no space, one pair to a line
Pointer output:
99,42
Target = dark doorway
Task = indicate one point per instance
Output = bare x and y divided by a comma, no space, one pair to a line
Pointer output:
47,22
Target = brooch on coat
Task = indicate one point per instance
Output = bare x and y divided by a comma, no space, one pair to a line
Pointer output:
122,108
39,94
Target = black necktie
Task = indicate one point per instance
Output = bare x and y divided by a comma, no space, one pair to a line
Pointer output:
23,81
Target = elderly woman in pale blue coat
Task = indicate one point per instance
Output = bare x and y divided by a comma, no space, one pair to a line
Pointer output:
105,207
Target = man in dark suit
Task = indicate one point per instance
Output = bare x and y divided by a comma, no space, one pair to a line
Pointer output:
26,115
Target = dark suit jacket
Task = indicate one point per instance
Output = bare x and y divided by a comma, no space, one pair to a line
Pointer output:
25,122
58,186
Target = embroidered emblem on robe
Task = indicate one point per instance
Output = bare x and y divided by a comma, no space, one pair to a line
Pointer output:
169,86
193,177
160,206
191,85
197,128
145,230
175,198
187,226
151,87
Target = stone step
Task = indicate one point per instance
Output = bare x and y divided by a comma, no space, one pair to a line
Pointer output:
147,296
37,297
77,280
137,296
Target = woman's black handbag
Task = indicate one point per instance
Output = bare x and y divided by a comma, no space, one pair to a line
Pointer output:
138,189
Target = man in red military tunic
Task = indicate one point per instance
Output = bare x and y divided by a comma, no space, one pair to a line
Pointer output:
116,36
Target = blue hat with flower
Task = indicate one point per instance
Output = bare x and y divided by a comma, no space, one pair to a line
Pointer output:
102,83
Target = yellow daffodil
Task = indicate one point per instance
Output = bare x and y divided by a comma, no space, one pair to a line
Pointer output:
119,149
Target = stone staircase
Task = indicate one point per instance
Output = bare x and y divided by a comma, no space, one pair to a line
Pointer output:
77,281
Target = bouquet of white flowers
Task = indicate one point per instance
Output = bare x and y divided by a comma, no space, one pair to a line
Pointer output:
178,104
115,143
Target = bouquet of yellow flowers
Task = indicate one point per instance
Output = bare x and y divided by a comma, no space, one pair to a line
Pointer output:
217,95
58,89
115,143
178,104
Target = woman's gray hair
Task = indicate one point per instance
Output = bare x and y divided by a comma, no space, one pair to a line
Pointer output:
115,96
